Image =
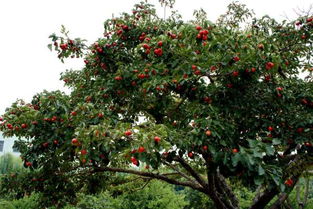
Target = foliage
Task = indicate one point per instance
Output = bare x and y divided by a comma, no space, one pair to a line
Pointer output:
205,100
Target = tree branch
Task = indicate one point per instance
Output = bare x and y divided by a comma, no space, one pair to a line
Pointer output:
151,175
179,172
191,171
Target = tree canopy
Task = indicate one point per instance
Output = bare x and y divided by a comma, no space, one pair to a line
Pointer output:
202,101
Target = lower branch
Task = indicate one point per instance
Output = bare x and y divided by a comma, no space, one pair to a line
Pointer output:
151,175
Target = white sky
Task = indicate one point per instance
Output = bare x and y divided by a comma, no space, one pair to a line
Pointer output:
26,64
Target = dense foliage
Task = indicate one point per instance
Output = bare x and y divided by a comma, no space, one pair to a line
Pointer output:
207,101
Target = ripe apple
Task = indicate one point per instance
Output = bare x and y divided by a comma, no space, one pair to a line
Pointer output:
9,126
270,128
190,154
100,115
83,152
208,133
300,130
160,43
74,141
55,142
289,182
45,145
141,149
118,78
269,65
158,51
235,150
128,133
73,113
235,73
28,164
205,148
236,58
24,125
198,27
157,139
279,88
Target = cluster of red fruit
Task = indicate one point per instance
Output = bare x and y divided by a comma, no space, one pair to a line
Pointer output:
203,34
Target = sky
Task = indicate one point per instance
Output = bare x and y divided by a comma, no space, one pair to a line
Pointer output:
28,67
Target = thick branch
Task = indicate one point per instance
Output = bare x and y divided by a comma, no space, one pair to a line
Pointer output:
151,175
179,172
191,171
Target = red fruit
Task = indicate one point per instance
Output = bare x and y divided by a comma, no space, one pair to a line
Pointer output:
55,142
253,70
303,37
73,113
194,67
190,154
236,58
146,46
141,149
279,88
24,125
160,43
308,144
100,115
204,32
208,133
298,23
9,126
74,141
158,52
118,78
199,36
260,46
267,78
1,119
205,148
270,128
235,150
84,161
197,72
269,65
128,133
198,27
289,182
99,49
213,68
204,37
157,139
83,152
28,164
46,144
300,130
309,19
304,101
229,85
141,76
125,27
17,128
134,160
147,167
235,73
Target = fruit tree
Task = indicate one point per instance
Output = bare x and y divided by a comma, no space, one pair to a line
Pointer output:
209,103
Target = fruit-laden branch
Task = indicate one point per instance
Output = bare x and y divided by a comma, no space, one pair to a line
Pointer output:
151,175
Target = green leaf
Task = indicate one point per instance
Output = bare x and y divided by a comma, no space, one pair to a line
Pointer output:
261,170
